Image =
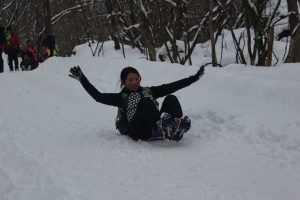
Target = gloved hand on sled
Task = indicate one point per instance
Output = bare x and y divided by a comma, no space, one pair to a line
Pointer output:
76,73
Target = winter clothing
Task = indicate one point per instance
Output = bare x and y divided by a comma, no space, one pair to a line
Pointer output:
46,53
1,61
2,44
2,36
140,106
29,61
144,120
50,44
12,49
30,48
76,73
172,106
13,61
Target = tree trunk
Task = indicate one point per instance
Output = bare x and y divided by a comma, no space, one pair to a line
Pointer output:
146,28
211,33
113,29
38,26
270,47
47,11
294,50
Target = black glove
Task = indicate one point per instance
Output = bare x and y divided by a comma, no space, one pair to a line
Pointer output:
200,72
76,73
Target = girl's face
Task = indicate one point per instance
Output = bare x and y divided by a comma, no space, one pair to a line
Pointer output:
132,82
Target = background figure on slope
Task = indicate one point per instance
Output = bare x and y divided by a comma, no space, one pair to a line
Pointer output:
49,46
2,44
29,61
12,48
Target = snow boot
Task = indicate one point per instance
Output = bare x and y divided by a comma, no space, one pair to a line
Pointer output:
181,126
164,126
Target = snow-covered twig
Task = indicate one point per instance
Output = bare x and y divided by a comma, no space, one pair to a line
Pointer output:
251,4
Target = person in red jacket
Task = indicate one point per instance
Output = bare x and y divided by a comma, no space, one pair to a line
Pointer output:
12,48
29,61
30,47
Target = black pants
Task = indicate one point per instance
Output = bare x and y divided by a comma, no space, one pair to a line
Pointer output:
13,58
172,106
146,116
1,61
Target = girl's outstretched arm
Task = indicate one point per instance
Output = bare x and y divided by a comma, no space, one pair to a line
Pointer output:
113,99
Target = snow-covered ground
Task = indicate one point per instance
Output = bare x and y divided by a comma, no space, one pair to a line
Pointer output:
57,143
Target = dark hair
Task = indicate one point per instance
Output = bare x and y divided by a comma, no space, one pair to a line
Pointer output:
126,71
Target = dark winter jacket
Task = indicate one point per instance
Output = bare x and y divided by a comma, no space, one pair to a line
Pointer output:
2,37
124,102
117,99
13,43
28,61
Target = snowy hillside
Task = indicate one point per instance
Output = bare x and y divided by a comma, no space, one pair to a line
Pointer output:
57,143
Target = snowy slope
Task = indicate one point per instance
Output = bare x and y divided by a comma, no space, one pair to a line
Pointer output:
56,142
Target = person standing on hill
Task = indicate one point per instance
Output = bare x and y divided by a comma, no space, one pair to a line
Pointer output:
49,43
12,49
2,45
